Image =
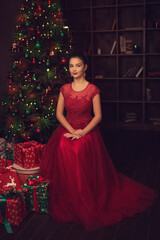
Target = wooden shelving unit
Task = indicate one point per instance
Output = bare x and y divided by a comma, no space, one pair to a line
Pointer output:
92,25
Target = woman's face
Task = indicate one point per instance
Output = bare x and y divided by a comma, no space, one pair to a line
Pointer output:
77,67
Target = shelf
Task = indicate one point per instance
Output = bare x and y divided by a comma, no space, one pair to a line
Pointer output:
104,6
122,92
130,29
128,101
130,5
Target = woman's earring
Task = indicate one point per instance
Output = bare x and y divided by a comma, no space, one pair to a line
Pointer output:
84,74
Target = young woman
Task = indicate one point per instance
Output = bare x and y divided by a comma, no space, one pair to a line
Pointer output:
84,186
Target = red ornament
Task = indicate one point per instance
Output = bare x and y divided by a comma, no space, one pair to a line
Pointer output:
38,130
39,8
63,60
14,45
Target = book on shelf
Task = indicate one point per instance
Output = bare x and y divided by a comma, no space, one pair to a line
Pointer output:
126,45
98,76
128,71
131,72
130,117
113,47
154,74
122,44
139,71
148,94
129,120
134,71
114,24
155,121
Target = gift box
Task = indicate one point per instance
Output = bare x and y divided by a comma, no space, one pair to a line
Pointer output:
38,193
8,179
4,163
24,174
13,208
28,154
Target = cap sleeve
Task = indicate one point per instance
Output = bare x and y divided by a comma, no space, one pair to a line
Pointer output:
62,89
95,90
65,89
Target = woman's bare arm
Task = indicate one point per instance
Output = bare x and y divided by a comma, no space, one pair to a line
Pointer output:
60,114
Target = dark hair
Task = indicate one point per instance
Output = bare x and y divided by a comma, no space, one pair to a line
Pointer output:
82,56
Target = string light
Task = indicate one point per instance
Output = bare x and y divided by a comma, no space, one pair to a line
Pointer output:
26,85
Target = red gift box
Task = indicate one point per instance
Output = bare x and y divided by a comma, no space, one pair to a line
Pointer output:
4,163
28,154
24,174
8,179
14,210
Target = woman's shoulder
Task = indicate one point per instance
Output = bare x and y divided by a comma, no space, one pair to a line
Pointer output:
93,86
65,87
94,89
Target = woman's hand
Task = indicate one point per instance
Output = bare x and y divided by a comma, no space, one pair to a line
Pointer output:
79,132
75,135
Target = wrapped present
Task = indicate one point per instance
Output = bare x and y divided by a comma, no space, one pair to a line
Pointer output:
24,174
2,148
38,192
2,163
28,154
8,179
13,208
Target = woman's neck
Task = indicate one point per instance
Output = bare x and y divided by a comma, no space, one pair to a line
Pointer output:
79,84
79,80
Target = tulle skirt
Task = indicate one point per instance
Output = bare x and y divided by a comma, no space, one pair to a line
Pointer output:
85,187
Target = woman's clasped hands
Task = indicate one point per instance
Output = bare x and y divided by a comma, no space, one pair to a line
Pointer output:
75,134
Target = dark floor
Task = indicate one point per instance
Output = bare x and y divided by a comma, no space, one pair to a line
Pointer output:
137,155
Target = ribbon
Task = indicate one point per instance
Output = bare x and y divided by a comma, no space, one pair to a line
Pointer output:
34,183
26,199
2,209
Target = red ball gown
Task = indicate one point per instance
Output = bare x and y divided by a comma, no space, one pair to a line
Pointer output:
84,186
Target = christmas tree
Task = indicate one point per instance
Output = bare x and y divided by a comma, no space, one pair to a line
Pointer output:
41,45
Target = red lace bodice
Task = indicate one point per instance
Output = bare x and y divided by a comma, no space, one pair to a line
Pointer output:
78,104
